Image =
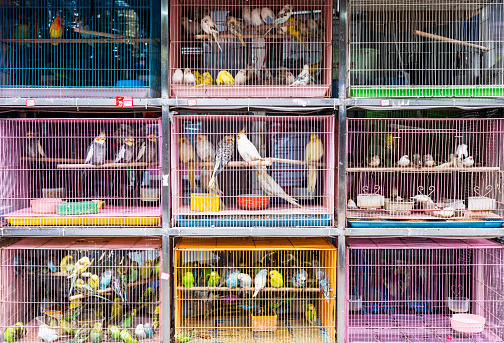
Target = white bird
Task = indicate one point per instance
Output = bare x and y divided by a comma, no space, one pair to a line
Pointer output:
246,148
267,16
205,148
191,27
404,161
247,16
245,280
256,17
140,332
375,161
260,281
47,334
283,15
209,27
468,162
189,78
461,153
351,205
178,77
241,77
303,78
289,78
271,188
428,160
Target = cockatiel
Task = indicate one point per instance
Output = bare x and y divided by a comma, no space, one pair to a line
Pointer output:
271,188
147,151
282,17
126,151
33,147
177,77
187,156
303,78
241,77
225,150
246,148
191,27
208,26
97,150
234,26
56,29
189,78
313,153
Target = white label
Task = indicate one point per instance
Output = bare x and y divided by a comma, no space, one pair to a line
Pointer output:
30,102
165,276
192,102
385,102
165,180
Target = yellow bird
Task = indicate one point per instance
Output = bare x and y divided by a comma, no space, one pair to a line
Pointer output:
207,79
224,78
146,270
314,152
117,310
75,303
293,30
56,29
199,78
94,281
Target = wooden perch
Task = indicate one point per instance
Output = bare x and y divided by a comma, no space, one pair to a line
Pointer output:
251,289
82,41
97,33
268,161
449,40
104,166
54,160
248,29
109,289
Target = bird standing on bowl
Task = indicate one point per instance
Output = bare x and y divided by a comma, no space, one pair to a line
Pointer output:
313,153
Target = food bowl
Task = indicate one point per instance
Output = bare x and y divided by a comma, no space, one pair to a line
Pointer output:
370,201
399,208
252,202
53,193
481,204
458,304
467,323
45,205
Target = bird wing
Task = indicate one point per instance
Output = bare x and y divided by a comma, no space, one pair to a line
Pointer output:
89,154
141,151
120,154
40,149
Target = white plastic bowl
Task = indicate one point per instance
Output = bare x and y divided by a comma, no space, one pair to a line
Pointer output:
458,304
468,323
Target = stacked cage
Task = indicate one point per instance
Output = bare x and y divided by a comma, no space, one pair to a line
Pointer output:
253,170
241,50
425,48
425,169
424,290
80,48
247,289
76,172
75,290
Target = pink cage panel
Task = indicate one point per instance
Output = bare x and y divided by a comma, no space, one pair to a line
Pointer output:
80,171
64,289
235,49
424,290
279,170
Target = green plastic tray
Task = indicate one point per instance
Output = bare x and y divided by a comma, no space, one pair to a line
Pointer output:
76,208
427,92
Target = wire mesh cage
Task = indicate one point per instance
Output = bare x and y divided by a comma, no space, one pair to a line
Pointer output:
75,290
252,171
425,48
425,169
80,172
248,289
236,49
80,48
424,290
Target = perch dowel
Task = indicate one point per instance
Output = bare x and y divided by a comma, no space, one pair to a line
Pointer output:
80,41
54,160
97,33
268,161
265,289
103,166
247,30
449,40
109,289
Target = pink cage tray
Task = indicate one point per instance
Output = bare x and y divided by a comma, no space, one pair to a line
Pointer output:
212,91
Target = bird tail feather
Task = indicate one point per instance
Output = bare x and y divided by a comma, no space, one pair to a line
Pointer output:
291,200
312,178
240,37
190,175
255,293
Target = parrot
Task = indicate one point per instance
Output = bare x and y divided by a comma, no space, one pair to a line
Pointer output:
245,280
155,318
147,150
117,310
255,17
56,29
404,161
234,26
225,150
232,279
22,30
94,281
207,79
74,310
208,26
271,188
127,319
148,330
97,151
213,279
157,266
241,77
189,78
295,31
105,278
375,161
468,162
82,334
133,275
311,314
126,152
246,148
177,77
351,205
187,156
191,27
428,160
96,334
188,280
313,153
145,298
224,78
276,279
69,326
260,281
80,267
199,78
45,333
15,332
281,18
33,147
140,332
267,16
246,15
113,332
85,289
146,270
299,278
322,278
120,287
185,336
127,336
303,78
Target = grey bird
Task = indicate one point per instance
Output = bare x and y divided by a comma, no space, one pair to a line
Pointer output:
33,147
428,160
126,151
97,150
417,161
147,149
271,188
225,150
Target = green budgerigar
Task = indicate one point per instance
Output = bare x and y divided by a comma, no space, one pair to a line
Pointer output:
146,270
15,332
113,332
82,334
185,336
68,326
97,333
128,319
146,298
213,279
276,279
155,318
117,310
127,336
188,279
311,314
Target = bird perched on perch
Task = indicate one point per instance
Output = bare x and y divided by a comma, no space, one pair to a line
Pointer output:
417,161
351,205
404,161
246,148
468,162
299,278
284,15
187,155
97,150
80,267
189,78
206,78
295,31
213,279
224,78
255,17
276,279
428,160
56,29
234,26
303,78
33,147
178,77
225,150
375,161
208,26
247,16
126,151
191,27
271,188
147,150
245,280
322,278
313,153
241,77
206,153
260,281
267,15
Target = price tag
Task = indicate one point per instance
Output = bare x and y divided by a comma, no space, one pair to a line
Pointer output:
124,101
165,276
30,102
192,102
385,102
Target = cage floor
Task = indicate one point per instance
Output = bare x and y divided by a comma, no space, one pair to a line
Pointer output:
410,328
272,209
380,214
212,91
113,215
419,92
65,92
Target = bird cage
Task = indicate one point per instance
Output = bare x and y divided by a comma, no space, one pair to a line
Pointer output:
80,48
425,169
238,49
230,171
250,289
425,48
424,290
80,172
75,289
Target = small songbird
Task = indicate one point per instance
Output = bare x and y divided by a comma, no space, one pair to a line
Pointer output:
351,205
117,310
255,17
45,333
232,279
225,150
245,280
234,26
267,16
199,78
80,267
312,25
204,148
299,278
119,286
188,280
241,77
178,77
271,188
96,334
191,27
404,161
246,148
311,314
394,193
126,151
105,278
33,147
375,161
468,162
56,29
313,153
428,160
260,281
208,26
281,18
276,279
189,78
295,31
417,161
322,278
148,330
303,78
187,155
224,78
247,16
94,281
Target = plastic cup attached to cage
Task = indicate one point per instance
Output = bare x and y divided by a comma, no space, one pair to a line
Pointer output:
458,304
354,303
370,201
53,193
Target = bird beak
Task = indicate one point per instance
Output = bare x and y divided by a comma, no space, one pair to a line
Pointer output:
229,140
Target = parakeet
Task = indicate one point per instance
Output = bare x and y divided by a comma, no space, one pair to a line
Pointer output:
276,279
85,289
140,332
126,151
245,280
199,78
189,78
468,161
281,18
303,78
94,281
145,298
213,279
299,278
312,25
119,286
225,150
56,29
184,336
267,16
260,281
146,270
33,147
127,336
295,31
417,161
105,278
271,188
255,17
241,77
375,161
149,332
15,332
82,334
177,77
224,78
404,161
188,280
113,332
313,153
311,314
80,267
187,156
207,78
127,319
191,27
351,205
117,310
232,279
22,30
45,333
208,26
96,334
428,160
322,278
246,148
234,26
147,150
97,150
155,318
247,16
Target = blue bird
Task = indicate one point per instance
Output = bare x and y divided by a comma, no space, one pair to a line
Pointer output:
322,278
267,15
15,264
232,279
299,278
105,279
148,330
53,267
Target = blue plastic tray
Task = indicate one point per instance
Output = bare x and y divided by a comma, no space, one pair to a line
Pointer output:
485,223
131,83
279,220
